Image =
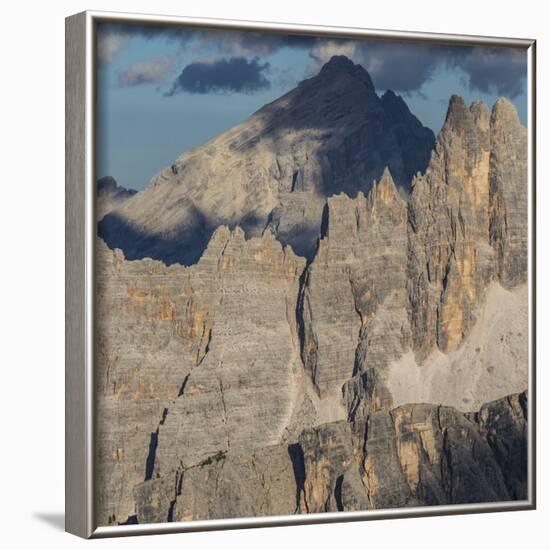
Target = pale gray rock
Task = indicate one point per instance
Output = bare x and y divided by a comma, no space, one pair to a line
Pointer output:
141,362
224,485
241,392
508,196
353,304
193,361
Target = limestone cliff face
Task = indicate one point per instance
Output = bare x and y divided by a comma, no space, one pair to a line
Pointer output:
225,485
193,360
458,239
426,454
257,382
250,365
507,193
141,363
330,134
414,455
354,296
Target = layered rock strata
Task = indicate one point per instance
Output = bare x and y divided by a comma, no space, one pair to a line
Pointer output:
193,361
354,301
415,455
467,221
259,382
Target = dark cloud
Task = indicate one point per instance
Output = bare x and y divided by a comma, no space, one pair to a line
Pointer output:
406,67
236,74
494,70
401,66
112,37
254,43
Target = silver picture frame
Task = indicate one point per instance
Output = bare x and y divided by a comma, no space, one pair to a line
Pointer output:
80,517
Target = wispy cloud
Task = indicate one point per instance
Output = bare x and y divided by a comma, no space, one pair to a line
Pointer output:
151,71
108,46
236,74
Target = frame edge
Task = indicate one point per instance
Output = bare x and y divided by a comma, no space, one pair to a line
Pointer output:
77,491
79,227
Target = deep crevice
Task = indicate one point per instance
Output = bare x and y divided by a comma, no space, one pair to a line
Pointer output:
151,455
294,178
338,493
296,454
206,349
183,384
177,493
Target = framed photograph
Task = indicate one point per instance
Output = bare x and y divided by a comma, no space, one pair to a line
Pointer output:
300,274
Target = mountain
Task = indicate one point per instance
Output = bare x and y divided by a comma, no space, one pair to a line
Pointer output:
330,134
387,369
110,195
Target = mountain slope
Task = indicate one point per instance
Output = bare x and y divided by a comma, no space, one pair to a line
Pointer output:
330,134
110,195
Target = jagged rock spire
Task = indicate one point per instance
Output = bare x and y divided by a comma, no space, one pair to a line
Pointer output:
385,191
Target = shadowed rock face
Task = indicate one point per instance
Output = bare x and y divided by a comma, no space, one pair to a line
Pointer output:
330,134
255,382
110,195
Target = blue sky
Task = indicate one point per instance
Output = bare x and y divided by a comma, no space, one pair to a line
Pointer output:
162,91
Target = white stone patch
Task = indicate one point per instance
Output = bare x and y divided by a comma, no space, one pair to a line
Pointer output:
490,363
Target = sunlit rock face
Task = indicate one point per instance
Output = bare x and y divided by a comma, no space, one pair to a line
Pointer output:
466,221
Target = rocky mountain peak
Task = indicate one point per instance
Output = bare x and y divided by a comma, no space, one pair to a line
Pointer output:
106,184
459,117
505,113
339,65
466,129
467,217
462,119
243,372
385,190
481,114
